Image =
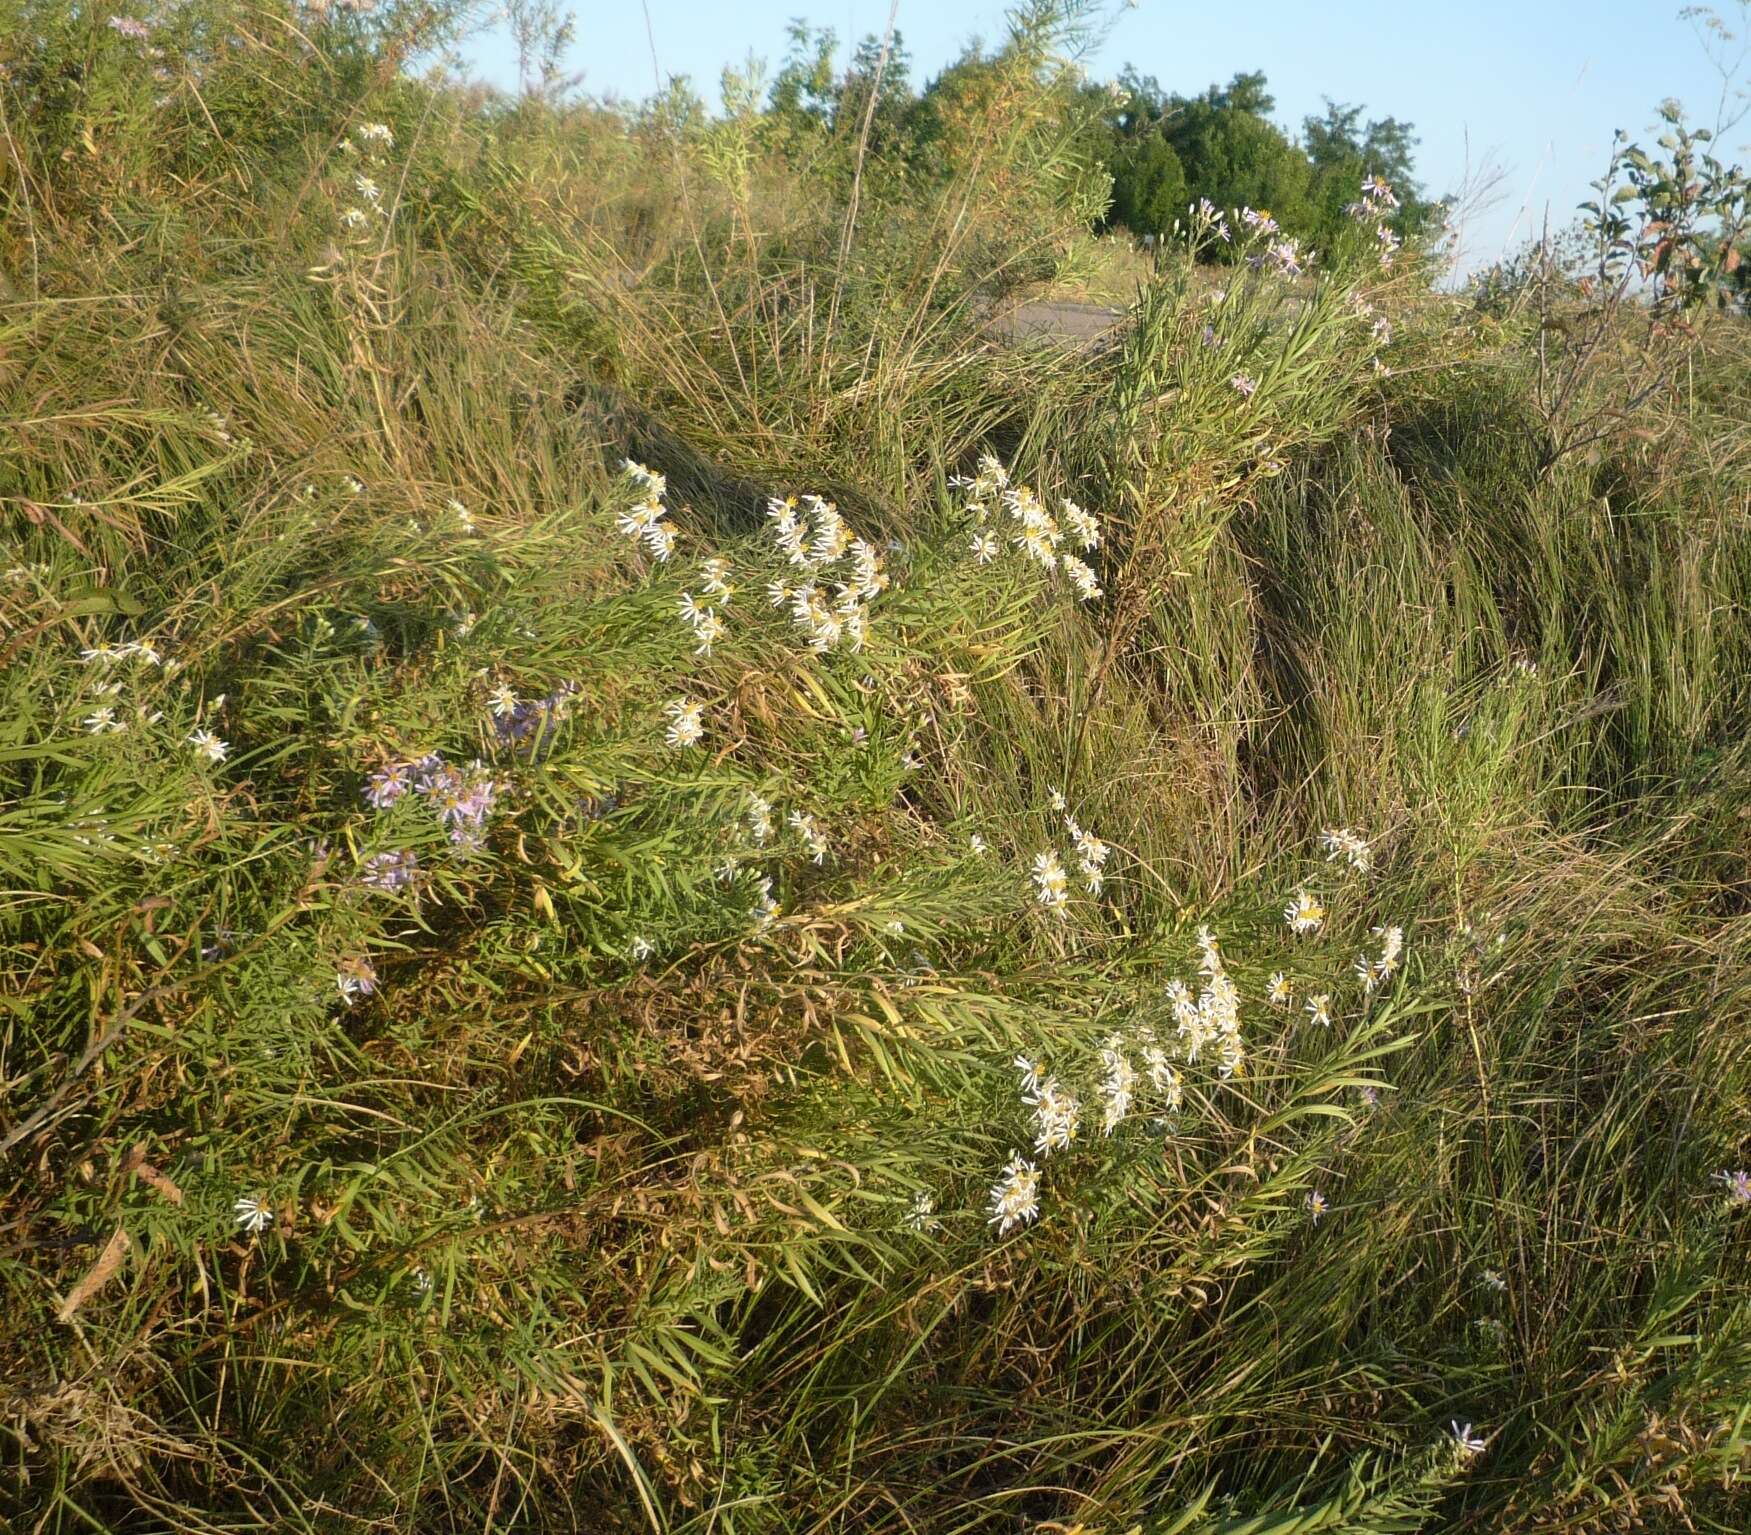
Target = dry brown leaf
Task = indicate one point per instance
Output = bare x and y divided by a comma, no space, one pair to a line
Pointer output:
97,1276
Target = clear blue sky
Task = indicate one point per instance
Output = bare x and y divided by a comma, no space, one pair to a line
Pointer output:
1539,86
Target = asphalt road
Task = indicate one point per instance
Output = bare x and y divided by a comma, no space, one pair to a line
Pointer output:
1058,320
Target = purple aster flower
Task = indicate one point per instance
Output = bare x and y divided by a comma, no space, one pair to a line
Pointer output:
1738,1186
1244,384
387,785
356,978
389,871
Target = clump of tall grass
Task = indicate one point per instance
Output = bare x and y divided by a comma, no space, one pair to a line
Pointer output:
651,885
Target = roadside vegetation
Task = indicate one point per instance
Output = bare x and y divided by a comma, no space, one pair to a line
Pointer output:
651,883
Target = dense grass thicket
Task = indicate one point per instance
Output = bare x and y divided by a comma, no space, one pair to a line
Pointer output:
1148,937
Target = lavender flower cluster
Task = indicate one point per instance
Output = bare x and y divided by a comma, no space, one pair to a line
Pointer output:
461,798
389,871
533,716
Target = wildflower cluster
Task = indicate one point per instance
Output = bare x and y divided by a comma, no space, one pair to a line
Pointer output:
830,607
921,1216
1207,218
1015,1197
1377,203
1738,1184
208,745
1160,1070
1118,1083
356,978
644,518
254,1214
516,719
369,141
686,723
1352,847
1051,883
1283,255
813,838
1374,973
1032,527
106,692
461,798
1211,1020
1057,1113
1091,855
1304,914
389,872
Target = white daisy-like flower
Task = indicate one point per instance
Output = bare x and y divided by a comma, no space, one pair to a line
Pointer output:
1466,1440
642,947
1304,914
717,572
502,701
686,723
1091,856
367,189
1081,577
375,133
1083,528
354,218
1057,1117
101,720
1374,973
1031,1077
1163,1078
708,631
1052,883
659,539
208,745
1015,1197
984,547
1279,991
356,978
977,844
1391,947
632,521
1319,1010
779,593
254,1214
103,654
653,484
1316,1206
1209,952
760,819
765,907
804,826
921,1217
1351,846
1117,1085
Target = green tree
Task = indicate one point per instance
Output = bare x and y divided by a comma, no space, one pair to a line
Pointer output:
1343,149
1149,185
1237,158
